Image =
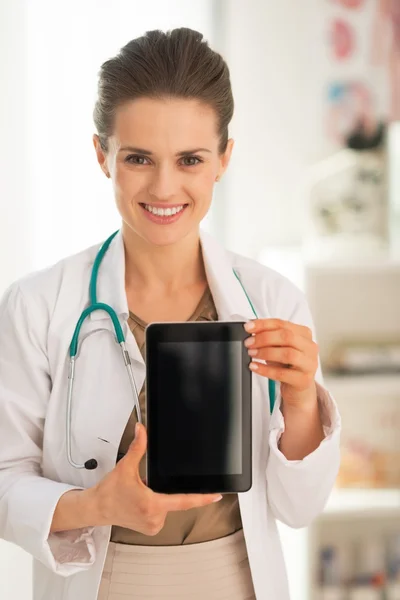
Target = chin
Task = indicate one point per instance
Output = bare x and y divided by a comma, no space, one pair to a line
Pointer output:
166,235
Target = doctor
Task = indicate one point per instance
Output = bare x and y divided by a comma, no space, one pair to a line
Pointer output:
162,118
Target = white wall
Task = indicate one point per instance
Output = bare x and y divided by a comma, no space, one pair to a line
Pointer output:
15,209
73,201
15,218
268,48
53,198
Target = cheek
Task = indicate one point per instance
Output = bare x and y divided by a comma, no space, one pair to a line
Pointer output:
126,184
203,184
201,192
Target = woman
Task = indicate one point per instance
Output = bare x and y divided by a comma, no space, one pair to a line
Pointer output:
162,118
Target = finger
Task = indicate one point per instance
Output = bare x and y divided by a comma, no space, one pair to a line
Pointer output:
258,325
286,356
175,502
281,337
293,377
137,448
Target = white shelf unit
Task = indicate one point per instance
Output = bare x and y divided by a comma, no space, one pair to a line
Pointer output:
351,296
380,508
350,509
352,503
382,385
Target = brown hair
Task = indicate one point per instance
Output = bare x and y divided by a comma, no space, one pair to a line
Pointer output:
177,64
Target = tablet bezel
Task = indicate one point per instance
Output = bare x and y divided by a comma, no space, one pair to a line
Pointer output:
195,331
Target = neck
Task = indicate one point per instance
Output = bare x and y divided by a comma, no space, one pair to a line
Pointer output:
164,268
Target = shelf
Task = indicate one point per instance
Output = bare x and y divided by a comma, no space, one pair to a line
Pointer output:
378,257
368,384
360,502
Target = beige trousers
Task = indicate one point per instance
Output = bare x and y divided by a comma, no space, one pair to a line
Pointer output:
216,570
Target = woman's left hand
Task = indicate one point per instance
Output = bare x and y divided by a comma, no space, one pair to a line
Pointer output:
291,356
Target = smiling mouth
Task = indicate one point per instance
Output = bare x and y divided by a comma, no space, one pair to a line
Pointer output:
163,214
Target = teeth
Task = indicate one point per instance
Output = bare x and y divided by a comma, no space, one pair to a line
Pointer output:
161,212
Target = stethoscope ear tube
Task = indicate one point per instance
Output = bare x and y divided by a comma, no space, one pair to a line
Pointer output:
92,463
73,349
128,364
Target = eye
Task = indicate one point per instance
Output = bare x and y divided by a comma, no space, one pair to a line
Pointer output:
191,161
136,159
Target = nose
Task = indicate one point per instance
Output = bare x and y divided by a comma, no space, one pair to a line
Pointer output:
164,183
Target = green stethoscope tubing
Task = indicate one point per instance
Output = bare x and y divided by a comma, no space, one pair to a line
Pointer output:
271,382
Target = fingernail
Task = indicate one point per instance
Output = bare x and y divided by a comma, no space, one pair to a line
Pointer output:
218,499
137,430
249,341
253,366
253,352
249,326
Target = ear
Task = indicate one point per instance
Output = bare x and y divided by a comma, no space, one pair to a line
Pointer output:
101,156
225,159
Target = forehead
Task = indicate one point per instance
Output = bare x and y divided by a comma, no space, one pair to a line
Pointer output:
172,122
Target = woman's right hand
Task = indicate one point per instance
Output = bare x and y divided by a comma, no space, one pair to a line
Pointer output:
123,499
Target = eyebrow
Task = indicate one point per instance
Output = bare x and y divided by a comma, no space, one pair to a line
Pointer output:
149,153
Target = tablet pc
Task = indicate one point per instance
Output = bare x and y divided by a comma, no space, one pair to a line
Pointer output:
198,404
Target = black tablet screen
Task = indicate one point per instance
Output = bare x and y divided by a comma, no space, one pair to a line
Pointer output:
199,408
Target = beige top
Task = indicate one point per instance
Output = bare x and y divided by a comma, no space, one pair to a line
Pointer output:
181,527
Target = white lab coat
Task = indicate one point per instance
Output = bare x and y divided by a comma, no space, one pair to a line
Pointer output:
37,318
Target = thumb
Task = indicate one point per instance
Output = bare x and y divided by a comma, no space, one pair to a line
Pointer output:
137,448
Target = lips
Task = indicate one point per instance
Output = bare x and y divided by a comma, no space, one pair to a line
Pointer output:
163,214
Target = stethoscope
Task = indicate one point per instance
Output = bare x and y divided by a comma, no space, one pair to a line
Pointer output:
73,349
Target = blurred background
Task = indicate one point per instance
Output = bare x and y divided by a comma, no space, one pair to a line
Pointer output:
313,191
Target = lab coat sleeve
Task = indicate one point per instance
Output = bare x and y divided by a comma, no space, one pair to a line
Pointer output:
27,499
299,489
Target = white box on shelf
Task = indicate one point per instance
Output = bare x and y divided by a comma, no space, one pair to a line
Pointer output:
393,591
354,302
332,593
365,593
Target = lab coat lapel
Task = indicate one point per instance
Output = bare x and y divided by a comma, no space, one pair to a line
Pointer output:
228,294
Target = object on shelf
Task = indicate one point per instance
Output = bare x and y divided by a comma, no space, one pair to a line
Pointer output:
356,467
365,593
393,591
363,468
335,570
347,195
329,567
371,561
359,559
370,441
332,593
358,502
354,302
393,561
372,357
370,576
